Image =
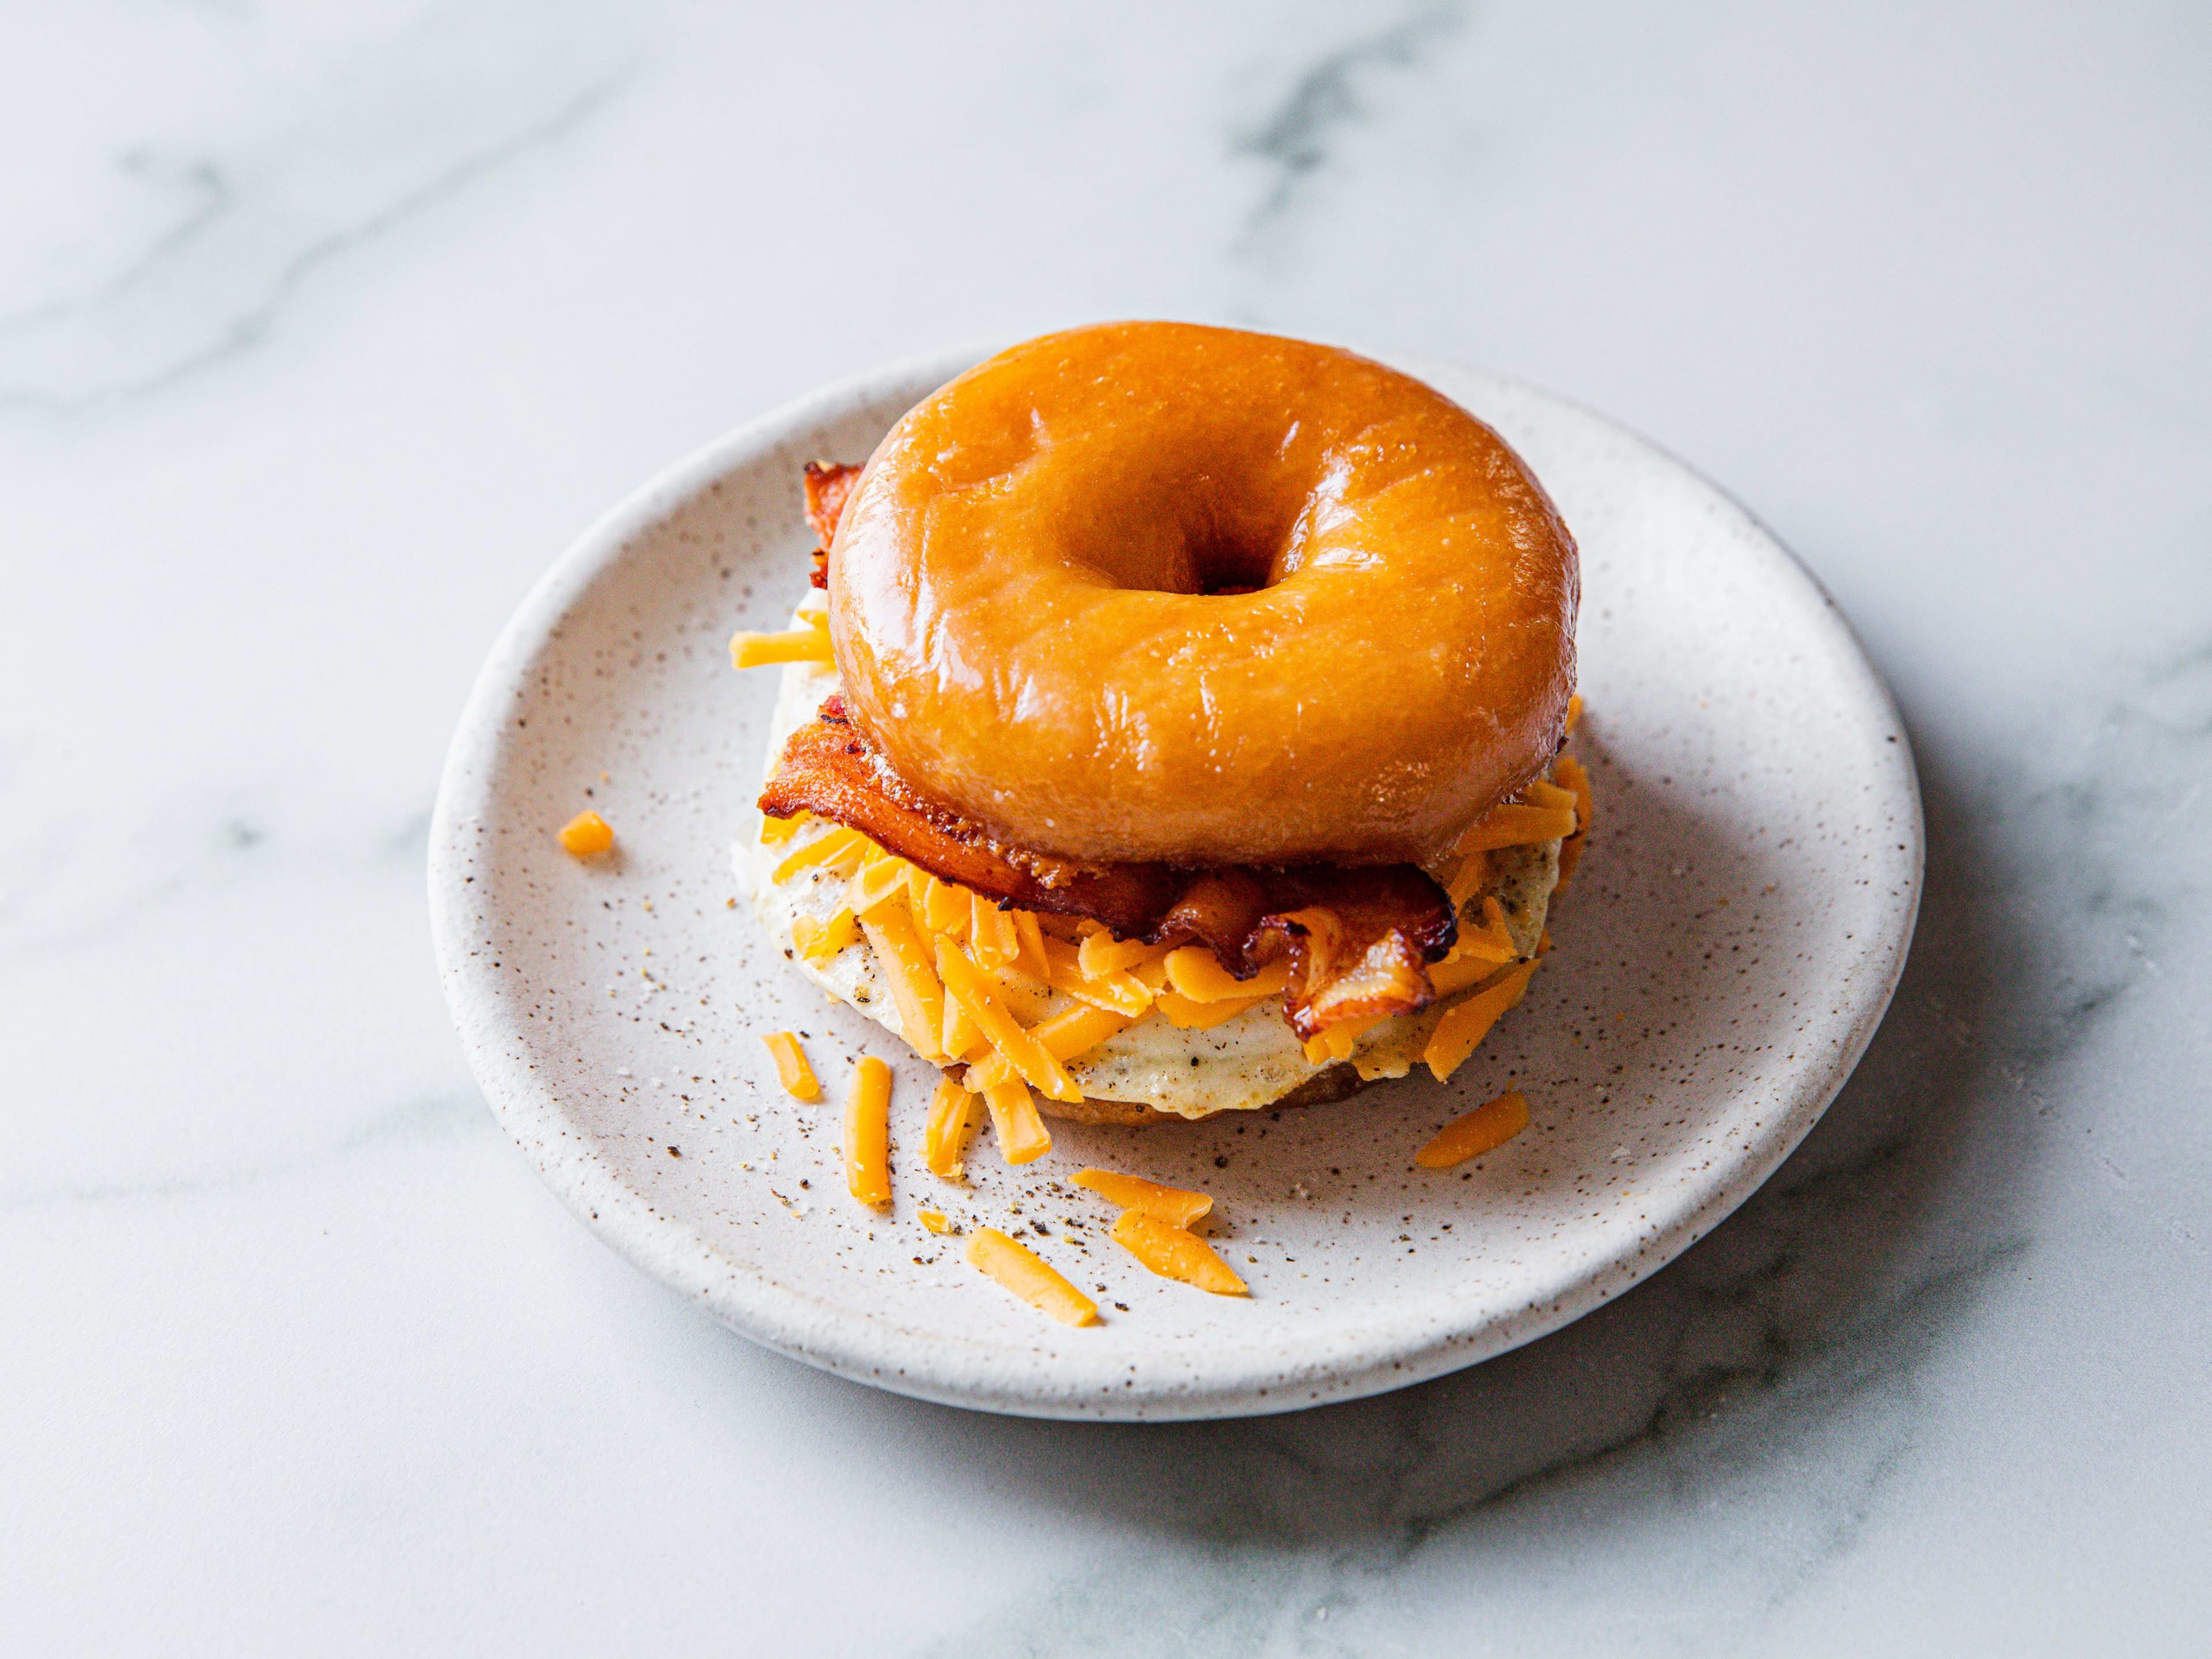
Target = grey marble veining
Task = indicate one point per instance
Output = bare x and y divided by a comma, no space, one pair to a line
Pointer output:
319,335
1295,137
231,225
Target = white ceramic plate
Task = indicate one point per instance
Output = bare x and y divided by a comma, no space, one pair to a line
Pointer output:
1721,960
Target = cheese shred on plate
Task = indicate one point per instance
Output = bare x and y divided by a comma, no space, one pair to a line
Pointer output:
868,1133
1471,1135
1029,1276
587,835
945,1141
1175,1253
791,1067
1154,1226
1172,1205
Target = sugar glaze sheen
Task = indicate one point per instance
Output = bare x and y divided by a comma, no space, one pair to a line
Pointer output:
1338,609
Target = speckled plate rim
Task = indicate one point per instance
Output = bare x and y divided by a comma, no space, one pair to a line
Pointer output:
943,1366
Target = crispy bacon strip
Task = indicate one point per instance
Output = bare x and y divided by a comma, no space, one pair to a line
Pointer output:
1220,909
827,484
1358,940
828,768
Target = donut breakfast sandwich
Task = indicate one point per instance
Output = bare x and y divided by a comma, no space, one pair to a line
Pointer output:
1173,726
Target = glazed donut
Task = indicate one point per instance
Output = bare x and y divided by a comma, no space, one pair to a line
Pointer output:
1159,592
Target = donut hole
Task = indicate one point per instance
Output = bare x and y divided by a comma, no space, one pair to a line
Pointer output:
1224,566
1250,527
1212,547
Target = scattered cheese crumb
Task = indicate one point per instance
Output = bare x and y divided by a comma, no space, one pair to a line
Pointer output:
868,1133
791,1066
1485,1128
1175,1253
1029,1276
1172,1205
945,1141
749,650
1465,1024
1023,1137
587,835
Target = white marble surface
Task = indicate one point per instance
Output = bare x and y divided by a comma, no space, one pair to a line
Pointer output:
321,333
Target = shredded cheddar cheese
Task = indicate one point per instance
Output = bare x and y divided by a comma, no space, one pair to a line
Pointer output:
1489,940
1122,992
841,849
1101,954
791,1067
1172,1205
796,645
1497,936
1474,871
1188,1016
1471,1135
775,831
945,1141
819,941
934,1220
1075,1031
1336,1042
967,984
587,835
1514,825
1015,1121
1198,976
868,1133
962,1040
1572,776
1029,1276
1070,1032
1030,960
1574,713
1464,1026
1569,771
1173,1252
880,879
1029,1000
938,906
992,938
915,990
1451,977
1540,793
1479,953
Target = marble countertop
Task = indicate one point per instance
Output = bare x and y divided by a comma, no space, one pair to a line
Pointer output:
321,334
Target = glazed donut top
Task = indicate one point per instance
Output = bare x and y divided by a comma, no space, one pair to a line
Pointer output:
1152,592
